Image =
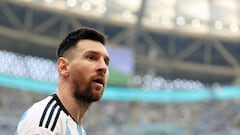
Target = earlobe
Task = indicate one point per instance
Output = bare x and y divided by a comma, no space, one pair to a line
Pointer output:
62,65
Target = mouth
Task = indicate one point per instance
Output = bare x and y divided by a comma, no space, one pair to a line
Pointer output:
99,80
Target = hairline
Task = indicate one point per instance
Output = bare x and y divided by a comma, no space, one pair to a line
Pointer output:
84,32
67,53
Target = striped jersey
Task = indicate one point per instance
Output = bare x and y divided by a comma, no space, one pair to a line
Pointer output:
48,117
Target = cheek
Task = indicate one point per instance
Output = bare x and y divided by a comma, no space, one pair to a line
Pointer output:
107,76
107,73
78,80
79,72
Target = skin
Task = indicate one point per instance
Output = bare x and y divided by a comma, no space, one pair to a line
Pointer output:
83,73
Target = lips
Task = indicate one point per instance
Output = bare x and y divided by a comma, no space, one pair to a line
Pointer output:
99,80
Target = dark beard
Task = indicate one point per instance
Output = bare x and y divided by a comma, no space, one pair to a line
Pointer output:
86,95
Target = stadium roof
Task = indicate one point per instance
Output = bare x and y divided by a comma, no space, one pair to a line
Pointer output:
196,39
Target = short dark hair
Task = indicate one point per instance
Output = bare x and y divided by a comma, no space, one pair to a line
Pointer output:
82,33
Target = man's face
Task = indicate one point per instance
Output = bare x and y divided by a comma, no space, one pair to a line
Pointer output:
88,70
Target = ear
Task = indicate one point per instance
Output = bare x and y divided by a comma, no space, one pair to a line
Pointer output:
63,66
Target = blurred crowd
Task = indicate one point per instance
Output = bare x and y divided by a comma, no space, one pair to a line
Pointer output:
135,118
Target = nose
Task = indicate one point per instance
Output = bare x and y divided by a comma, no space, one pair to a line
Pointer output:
102,67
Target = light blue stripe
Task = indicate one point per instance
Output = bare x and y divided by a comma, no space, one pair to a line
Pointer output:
131,94
27,84
67,129
22,117
125,94
79,129
16,133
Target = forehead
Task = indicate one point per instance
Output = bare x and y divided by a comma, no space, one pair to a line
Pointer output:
86,45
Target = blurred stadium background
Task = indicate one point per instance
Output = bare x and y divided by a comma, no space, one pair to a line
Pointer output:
174,69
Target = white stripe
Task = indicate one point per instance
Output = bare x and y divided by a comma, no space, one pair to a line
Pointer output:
47,114
53,117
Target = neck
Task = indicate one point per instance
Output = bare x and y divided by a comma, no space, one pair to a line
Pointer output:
77,109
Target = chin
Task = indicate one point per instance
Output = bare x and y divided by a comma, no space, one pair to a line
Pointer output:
94,99
97,98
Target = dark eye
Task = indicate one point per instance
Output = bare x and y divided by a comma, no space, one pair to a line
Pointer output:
90,58
107,62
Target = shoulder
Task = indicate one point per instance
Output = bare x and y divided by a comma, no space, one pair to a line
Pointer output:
42,116
35,111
